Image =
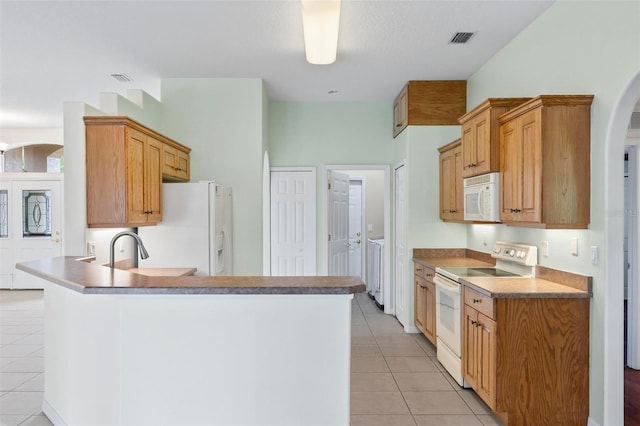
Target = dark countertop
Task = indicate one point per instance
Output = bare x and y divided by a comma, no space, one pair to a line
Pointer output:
86,278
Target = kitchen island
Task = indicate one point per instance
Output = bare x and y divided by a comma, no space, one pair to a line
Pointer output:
129,349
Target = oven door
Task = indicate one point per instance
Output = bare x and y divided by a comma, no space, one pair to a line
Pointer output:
448,315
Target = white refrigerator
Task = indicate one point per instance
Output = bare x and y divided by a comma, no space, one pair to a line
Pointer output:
195,230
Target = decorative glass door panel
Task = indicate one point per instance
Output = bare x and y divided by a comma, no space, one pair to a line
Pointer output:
4,213
36,213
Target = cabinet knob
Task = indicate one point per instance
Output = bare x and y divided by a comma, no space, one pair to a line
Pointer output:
477,300
474,322
398,125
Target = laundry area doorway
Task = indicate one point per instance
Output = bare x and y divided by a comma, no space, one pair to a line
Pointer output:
364,206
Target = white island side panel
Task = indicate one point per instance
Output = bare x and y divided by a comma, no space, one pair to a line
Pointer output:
197,359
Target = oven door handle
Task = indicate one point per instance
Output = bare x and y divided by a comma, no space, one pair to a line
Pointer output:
447,285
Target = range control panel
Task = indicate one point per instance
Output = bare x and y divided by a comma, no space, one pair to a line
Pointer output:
513,252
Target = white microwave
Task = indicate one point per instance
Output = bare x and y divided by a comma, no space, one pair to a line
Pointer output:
482,198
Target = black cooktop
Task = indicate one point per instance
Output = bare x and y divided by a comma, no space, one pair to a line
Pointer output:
479,272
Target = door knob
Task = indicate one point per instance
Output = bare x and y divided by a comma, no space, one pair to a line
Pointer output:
358,241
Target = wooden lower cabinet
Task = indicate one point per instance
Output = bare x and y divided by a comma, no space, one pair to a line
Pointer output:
425,301
528,358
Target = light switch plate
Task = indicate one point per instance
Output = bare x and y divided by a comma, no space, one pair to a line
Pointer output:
574,246
545,248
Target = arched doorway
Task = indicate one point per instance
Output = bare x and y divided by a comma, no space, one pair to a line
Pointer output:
614,234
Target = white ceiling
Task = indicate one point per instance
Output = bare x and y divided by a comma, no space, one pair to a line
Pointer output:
55,51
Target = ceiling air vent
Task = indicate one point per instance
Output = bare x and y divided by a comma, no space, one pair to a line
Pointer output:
461,38
123,78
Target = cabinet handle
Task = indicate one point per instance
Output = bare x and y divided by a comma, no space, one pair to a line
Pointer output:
515,210
473,322
429,275
477,300
398,125
418,269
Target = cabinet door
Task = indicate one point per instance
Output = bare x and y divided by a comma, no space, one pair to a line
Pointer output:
419,304
476,145
458,184
153,185
469,346
400,118
447,194
430,311
169,160
481,135
136,177
531,190
486,351
510,158
183,166
468,148
521,165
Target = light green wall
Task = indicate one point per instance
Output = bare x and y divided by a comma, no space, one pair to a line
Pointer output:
417,147
221,120
332,133
574,47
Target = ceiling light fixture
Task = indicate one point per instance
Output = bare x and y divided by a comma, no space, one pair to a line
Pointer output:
321,22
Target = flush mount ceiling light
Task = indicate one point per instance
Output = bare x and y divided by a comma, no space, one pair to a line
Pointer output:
321,22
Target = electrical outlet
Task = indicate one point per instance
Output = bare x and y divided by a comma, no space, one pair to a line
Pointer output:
574,246
485,238
370,228
545,248
91,248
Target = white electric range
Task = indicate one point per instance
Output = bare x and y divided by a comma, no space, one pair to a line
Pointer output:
512,260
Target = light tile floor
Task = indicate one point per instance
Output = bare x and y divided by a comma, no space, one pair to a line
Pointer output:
21,358
395,378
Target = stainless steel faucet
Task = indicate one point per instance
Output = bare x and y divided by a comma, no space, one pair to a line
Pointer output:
143,251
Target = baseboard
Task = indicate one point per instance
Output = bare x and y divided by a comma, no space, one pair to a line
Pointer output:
412,329
51,414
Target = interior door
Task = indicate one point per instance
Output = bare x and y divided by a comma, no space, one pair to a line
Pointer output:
356,203
36,225
338,215
400,245
6,234
293,223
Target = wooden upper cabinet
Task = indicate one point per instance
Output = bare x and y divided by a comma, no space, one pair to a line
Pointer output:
451,182
124,172
431,103
480,135
176,163
545,154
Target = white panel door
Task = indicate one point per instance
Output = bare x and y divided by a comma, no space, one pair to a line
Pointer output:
36,225
6,235
355,227
338,215
400,245
293,223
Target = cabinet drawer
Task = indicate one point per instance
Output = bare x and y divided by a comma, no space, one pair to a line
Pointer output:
424,272
479,302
